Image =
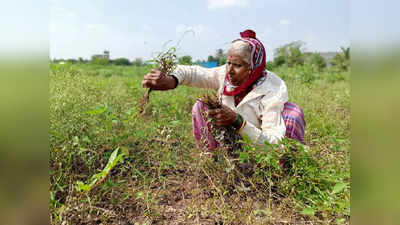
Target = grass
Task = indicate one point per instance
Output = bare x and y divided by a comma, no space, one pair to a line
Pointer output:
163,178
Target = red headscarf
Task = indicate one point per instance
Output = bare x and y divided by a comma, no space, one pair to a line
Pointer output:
257,62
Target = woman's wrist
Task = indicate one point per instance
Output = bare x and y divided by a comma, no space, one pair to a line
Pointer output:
238,124
176,81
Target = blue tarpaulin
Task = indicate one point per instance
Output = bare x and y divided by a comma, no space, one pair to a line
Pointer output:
210,64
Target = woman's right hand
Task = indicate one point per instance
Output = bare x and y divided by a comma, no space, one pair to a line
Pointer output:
158,81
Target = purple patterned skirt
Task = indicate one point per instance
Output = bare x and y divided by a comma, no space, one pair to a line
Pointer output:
294,121
292,115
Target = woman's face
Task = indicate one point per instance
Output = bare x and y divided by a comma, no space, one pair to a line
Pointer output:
238,70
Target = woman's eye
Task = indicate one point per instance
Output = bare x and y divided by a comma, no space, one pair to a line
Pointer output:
234,64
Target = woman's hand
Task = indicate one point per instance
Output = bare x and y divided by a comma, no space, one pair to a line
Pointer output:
223,116
158,81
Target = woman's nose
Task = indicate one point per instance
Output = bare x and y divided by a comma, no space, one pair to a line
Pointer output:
230,68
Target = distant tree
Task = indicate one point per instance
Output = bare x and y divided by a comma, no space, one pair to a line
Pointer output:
198,62
342,59
122,62
137,62
279,61
60,60
290,54
100,61
185,60
211,58
220,57
222,60
219,53
295,56
269,65
318,60
72,61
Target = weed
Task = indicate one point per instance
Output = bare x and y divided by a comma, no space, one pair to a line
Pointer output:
165,62
98,178
227,136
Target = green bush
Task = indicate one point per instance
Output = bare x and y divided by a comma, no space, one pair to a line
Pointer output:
137,62
185,60
100,61
290,54
307,73
342,59
317,60
292,170
121,62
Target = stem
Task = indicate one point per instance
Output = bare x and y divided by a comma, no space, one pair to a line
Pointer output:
148,92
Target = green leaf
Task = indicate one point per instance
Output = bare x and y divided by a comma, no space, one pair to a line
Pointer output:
243,156
338,188
139,195
97,111
308,211
80,186
112,161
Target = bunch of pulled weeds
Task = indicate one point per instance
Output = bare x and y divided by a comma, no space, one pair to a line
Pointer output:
166,62
227,136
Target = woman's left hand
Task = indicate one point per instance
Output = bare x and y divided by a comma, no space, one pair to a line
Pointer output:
223,116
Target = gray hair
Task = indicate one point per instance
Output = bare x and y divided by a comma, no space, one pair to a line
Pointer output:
241,49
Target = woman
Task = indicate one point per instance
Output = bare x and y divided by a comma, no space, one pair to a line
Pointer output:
254,101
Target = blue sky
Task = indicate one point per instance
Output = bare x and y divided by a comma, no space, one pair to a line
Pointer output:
140,28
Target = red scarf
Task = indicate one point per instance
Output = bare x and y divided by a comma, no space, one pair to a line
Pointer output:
257,62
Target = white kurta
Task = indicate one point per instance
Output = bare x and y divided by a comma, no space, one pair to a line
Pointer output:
261,108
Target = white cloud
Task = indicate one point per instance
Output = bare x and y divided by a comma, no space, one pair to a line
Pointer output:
285,22
214,4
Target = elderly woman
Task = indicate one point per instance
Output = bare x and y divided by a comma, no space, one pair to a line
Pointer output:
254,100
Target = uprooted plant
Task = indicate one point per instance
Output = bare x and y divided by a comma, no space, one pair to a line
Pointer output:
225,135
165,62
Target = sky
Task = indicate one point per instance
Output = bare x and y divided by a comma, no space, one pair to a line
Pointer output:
133,29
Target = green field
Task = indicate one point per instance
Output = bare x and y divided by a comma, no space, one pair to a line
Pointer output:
163,178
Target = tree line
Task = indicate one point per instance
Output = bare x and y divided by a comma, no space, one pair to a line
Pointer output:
290,55
293,54
103,61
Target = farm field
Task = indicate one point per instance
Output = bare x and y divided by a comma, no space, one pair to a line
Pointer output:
160,176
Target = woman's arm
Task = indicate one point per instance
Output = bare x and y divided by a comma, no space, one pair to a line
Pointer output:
197,76
273,128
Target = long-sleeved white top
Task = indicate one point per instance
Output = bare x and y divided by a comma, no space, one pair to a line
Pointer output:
261,108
